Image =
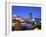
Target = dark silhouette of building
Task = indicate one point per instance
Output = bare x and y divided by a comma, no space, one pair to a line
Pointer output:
30,16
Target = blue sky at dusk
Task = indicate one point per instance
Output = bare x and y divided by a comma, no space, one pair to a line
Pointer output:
24,11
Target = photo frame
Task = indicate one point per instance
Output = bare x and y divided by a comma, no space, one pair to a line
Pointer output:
8,12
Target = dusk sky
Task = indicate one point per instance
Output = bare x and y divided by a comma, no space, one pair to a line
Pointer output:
24,11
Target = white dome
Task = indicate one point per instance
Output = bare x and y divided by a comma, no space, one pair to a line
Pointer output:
14,15
33,19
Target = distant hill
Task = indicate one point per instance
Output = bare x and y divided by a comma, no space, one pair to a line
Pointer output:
38,19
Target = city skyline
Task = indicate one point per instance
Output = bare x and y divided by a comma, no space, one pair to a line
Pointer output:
24,11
